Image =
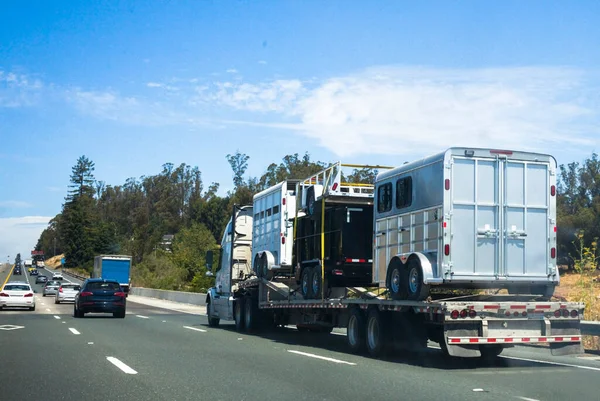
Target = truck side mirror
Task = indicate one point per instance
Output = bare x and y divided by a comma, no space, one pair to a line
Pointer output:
209,260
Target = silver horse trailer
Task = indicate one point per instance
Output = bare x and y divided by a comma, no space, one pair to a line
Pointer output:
467,218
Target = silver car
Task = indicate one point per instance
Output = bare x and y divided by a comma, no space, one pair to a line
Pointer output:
67,292
51,287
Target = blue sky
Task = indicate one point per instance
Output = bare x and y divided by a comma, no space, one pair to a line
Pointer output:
133,85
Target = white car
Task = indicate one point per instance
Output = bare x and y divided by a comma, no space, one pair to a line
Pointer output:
67,292
17,294
57,276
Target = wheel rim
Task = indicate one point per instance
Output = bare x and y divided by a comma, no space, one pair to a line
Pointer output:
413,280
316,283
395,281
352,328
373,333
305,283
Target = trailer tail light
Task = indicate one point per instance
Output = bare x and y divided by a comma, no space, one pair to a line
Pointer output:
472,313
338,272
553,253
507,313
447,249
447,184
574,313
334,187
283,201
555,228
565,313
282,240
463,313
557,313
553,190
28,295
454,314
524,313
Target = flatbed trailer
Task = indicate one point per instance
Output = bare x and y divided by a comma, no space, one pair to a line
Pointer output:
467,326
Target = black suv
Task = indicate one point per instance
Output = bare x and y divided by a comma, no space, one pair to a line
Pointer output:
17,271
99,295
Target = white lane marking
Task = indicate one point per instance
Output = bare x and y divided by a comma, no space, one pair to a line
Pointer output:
550,363
43,303
56,317
164,321
74,331
91,343
526,399
121,365
195,329
478,390
320,357
48,309
64,322
143,317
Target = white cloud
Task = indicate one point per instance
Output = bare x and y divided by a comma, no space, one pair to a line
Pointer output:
232,71
18,90
404,110
263,62
24,233
14,204
276,96
162,86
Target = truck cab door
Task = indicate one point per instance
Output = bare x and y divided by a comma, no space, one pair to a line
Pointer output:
223,275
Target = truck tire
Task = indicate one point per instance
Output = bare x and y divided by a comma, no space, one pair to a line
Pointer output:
251,314
396,282
264,265
310,201
316,285
356,331
238,314
377,333
305,283
417,290
490,352
212,321
258,266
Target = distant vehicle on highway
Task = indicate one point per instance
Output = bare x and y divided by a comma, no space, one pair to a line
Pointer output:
17,294
100,295
41,279
57,276
34,272
67,292
17,271
51,287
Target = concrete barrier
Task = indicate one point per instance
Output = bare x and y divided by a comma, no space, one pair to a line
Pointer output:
192,298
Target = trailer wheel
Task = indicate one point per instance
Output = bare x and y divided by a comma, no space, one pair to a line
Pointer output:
377,333
264,265
396,282
316,287
305,283
310,201
238,312
490,352
417,290
212,321
258,266
251,316
356,331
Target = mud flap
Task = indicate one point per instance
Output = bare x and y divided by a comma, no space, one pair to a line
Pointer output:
461,350
559,349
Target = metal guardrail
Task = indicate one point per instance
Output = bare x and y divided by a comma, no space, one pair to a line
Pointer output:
588,328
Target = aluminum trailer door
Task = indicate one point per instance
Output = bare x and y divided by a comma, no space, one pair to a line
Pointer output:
502,215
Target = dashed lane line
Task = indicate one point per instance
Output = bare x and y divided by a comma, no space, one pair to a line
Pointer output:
121,365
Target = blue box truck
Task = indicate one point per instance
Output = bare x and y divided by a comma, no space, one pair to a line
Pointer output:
114,267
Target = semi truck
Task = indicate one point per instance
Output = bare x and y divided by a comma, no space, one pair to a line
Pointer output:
114,267
443,231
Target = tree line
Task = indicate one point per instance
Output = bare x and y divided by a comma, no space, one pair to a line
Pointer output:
132,218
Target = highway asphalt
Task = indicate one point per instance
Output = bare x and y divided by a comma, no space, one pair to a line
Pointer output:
160,354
